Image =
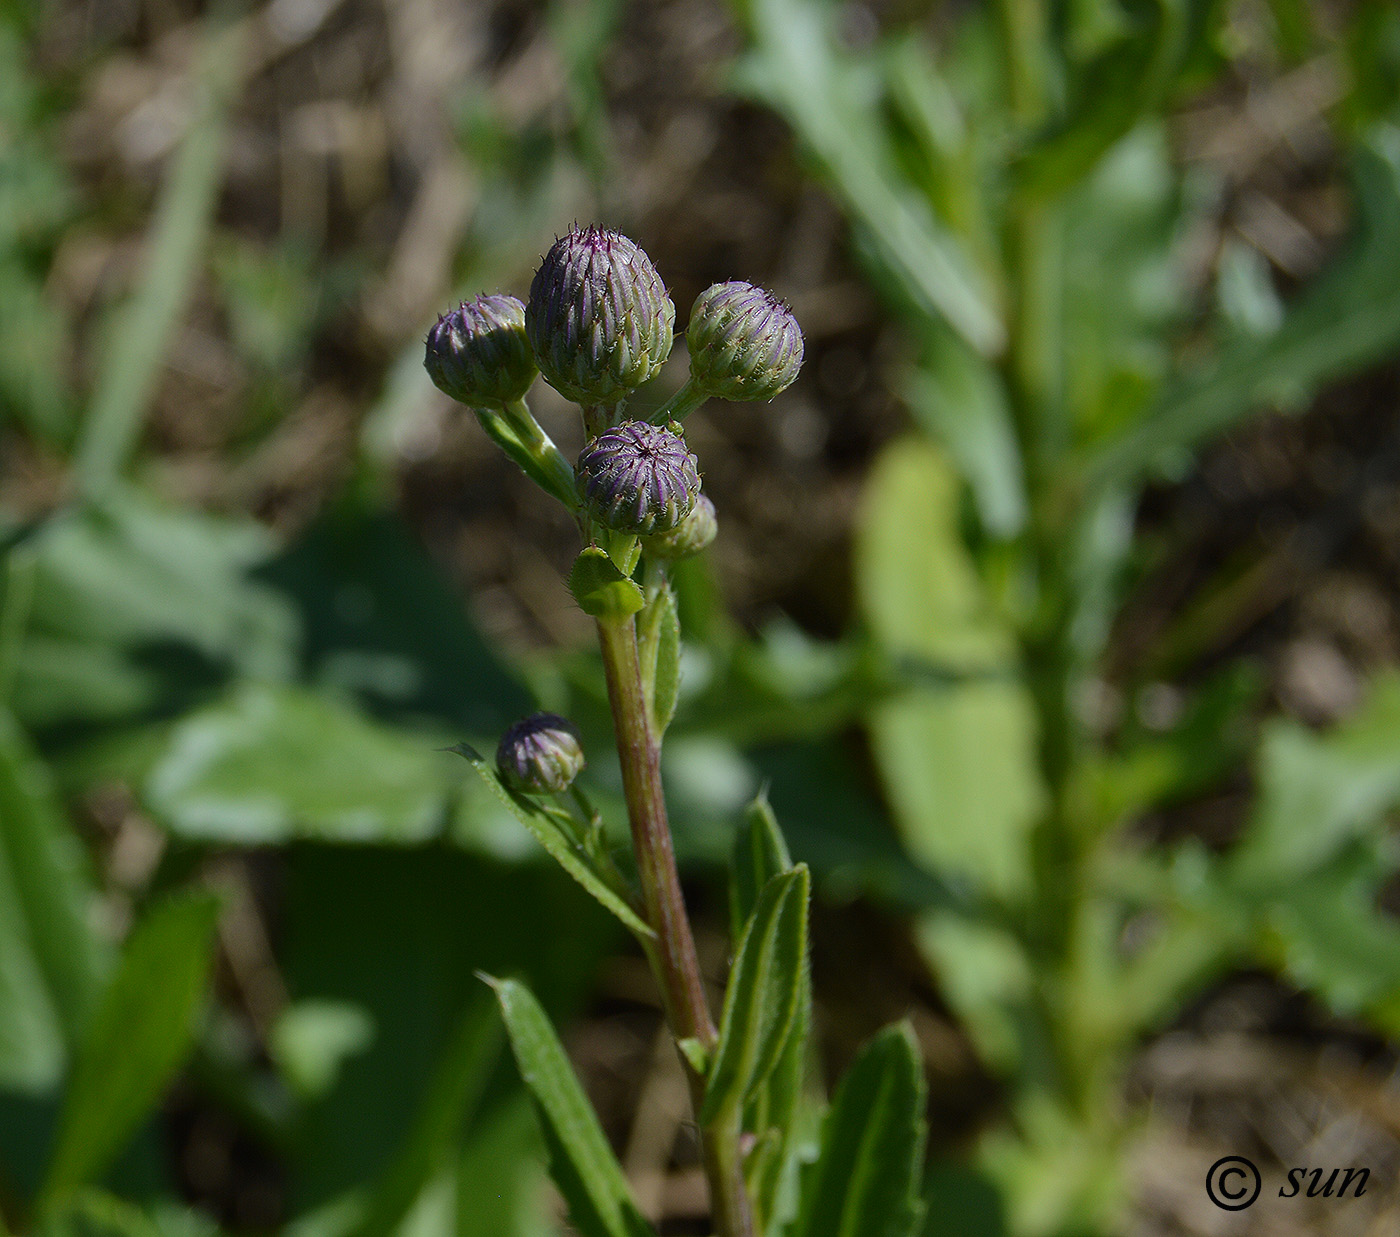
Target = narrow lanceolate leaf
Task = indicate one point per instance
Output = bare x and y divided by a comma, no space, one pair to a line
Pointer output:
760,853
659,644
51,962
551,830
581,1162
762,1000
138,1038
865,1181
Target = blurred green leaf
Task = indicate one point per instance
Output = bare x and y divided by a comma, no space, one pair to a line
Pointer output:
760,853
271,763
1127,80
1318,792
559,835
762,998
137,1040
865,1182
398,932
1346,318
795,67
51,962
959,399
1330,937
142,329
448,1105
96,1213
958,762
311,1039
119,585
581,1162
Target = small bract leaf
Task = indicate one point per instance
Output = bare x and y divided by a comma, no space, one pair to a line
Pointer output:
581,1162
762,999
600,589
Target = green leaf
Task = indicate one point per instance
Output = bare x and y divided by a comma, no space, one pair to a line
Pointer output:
659,647
51,963
760,853
600,589
958,759
272,763
1347,318
553,829
956,395
137,1039
581,1162
796,68
116,583
95,1213
1330,937
450,1101
131,364
1318,792
865,1182
312,1039
762,999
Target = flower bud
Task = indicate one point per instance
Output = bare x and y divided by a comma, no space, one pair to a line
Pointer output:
744,342
688,537
540,755
637,478
479,353
599,318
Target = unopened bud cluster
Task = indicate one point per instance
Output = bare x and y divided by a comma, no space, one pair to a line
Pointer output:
599,323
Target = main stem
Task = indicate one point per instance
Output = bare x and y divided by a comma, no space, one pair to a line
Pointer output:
678,967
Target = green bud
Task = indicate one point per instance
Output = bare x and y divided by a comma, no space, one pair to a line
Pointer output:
479,353
688,537
599,318
744,342
540,755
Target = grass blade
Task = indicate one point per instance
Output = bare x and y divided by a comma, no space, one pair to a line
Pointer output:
142,331
138,1038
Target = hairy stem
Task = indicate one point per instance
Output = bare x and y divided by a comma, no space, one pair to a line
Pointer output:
683,990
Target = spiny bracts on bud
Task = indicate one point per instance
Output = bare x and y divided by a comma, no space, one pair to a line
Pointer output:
479,353
744,342
688,537
540,755
599,318
638,478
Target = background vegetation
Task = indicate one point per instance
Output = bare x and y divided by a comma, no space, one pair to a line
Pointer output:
1055,604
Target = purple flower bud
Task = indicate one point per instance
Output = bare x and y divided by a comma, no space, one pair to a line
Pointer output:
479,353
744,342
540,755
637,478
599,318
688,537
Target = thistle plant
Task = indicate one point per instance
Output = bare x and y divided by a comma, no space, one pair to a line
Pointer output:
599,323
